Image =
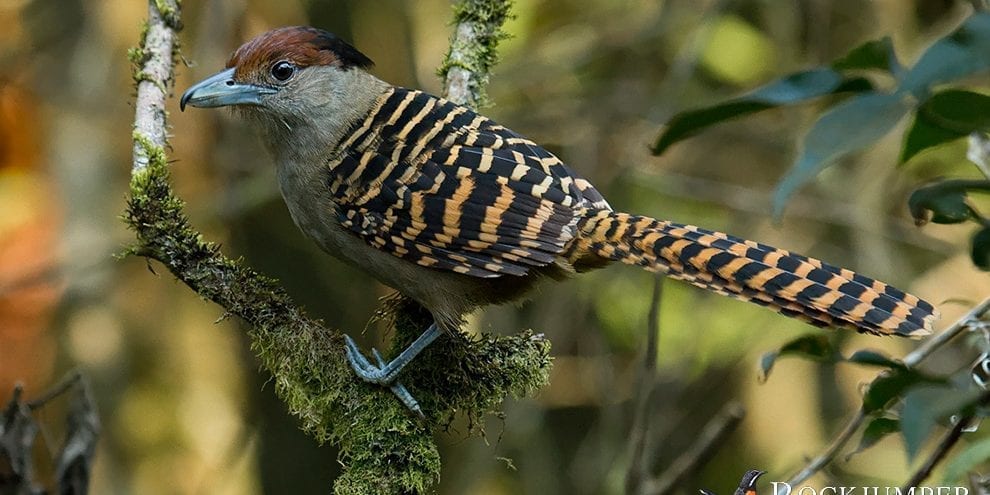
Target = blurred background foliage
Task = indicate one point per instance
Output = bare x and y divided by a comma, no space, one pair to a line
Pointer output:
185,408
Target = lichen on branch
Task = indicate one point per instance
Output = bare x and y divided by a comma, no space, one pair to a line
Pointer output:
384,448
473,50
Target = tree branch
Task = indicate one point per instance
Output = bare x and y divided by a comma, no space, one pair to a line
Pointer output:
477,32
639,457
384,449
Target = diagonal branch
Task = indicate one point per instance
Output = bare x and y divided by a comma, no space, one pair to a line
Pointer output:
384,449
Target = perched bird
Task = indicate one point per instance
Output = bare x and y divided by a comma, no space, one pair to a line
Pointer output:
458,212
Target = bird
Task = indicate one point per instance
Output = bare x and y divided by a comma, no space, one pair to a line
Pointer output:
458,212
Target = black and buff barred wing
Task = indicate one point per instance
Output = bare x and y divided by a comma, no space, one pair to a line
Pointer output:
452,190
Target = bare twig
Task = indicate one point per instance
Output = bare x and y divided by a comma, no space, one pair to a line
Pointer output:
713,436
911,360
65,384
639,464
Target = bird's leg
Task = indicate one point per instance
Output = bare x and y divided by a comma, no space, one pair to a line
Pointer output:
399,389
384,374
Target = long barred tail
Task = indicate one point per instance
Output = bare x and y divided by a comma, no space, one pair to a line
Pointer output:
792,284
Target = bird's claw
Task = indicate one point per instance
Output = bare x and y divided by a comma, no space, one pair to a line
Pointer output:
363,368
379,374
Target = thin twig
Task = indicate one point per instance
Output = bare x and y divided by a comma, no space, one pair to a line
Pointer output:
639,465
713,436
911,360
830,452
931,345
948,441
65,384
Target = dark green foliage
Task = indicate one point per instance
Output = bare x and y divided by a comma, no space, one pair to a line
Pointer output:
790,90
817,347
857,123
943,202
874,358
890,386
964,52
849,126
966,461
872,55
980,250
925,406
946,116
876,430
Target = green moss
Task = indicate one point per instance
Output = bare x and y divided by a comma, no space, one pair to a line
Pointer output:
171,13
138,55
479,56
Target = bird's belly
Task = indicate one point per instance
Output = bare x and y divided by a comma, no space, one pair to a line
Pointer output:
448,295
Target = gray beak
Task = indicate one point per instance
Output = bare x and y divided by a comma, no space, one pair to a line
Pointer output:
220,90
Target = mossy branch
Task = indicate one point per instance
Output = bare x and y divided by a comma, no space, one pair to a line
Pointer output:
473,49
384,448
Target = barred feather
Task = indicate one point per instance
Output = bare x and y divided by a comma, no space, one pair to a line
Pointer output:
792,284
443,187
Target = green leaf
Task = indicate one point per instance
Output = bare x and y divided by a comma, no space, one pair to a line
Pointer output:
849,126
874,54
925,406
942,202
875,431
692,122
980,250
959,465
946,116
874,358
964,52
889,386
958,110
815,347
792,89
924,134
803,86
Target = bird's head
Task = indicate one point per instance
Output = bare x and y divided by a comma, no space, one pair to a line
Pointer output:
281,73
290,77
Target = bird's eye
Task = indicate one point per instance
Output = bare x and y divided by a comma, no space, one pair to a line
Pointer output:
283,70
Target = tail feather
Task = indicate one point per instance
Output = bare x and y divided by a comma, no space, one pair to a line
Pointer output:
792,284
